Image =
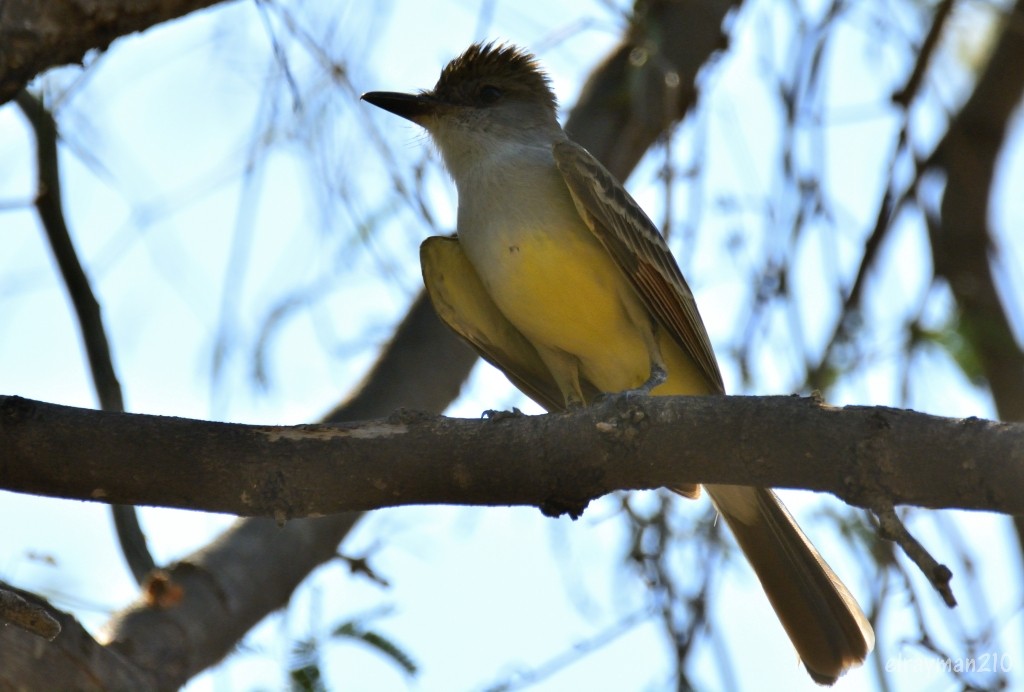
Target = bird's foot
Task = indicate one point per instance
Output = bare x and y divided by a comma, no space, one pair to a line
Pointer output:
658,377
491,414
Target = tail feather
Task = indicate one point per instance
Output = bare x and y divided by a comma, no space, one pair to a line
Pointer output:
819,614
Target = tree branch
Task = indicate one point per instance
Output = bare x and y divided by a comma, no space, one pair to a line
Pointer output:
35,36
868,456
82,665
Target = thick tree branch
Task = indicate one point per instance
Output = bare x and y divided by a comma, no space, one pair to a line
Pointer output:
868,456
35,36
226,590
72,661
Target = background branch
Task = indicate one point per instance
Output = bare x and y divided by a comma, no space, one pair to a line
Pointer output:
35,36
962,237
894,197
73,660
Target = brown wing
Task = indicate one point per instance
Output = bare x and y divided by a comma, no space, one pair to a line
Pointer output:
639,250
462,302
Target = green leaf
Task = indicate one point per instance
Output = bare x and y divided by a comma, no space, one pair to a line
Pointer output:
955,337
304,674
380,643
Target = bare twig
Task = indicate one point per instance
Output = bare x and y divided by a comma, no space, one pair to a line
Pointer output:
892,200
523,679
939,575
361,565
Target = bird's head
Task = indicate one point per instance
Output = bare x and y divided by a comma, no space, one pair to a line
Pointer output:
491,97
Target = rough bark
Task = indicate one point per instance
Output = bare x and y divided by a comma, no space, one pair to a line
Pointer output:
865,455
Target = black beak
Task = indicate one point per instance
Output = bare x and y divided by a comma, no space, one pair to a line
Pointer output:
409,106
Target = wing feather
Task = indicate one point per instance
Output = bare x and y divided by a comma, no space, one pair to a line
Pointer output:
639,250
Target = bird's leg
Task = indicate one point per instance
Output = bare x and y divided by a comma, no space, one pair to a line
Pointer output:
659,373
658,376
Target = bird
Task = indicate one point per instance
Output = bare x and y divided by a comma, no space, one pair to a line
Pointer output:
558,278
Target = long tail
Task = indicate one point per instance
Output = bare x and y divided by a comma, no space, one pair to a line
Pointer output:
823,620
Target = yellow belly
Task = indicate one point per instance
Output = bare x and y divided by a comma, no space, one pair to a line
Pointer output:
565,293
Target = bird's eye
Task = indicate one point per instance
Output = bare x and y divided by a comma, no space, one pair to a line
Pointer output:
489,94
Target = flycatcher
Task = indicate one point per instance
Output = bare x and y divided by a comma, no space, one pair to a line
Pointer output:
559,279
